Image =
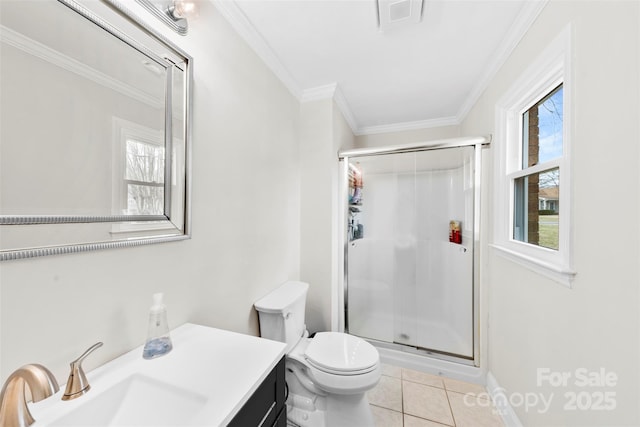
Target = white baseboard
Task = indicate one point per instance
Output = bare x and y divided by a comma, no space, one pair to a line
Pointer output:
501,402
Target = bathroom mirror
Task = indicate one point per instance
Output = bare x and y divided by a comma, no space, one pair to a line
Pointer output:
94,129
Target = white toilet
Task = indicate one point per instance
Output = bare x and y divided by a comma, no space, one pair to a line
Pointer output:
327,375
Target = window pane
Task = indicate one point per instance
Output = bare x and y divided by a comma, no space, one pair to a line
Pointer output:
542,130
537,209
145,162
145,199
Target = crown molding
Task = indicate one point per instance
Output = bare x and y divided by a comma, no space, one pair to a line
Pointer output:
343,105
332,91
404,126
319,92
52,56
518,29
241,24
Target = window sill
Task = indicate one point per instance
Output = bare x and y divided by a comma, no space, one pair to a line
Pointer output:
554,272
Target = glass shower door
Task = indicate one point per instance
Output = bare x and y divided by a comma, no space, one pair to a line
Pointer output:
410,249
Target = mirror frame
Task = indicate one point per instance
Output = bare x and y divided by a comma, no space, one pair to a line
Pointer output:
54,249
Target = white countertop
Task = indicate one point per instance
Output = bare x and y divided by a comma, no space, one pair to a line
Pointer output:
224,368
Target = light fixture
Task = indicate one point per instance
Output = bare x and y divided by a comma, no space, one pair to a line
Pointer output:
174,13
179,9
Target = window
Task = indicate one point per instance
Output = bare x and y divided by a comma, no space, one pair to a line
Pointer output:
536,186
144,178
138,169
533,201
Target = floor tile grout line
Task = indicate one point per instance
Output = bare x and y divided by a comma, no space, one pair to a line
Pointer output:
410,415
402,396
450,408
470,394
442,378
444,387
388,409
418,382
428,385
430,419
402,392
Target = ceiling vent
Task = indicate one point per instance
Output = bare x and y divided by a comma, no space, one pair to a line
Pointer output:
398,13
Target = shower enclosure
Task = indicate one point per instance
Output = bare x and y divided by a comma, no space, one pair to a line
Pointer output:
410,251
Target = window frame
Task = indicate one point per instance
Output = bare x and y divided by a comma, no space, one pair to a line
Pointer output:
128,182
515,172
546,72
124,130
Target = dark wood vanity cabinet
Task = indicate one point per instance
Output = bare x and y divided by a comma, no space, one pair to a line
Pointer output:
266,407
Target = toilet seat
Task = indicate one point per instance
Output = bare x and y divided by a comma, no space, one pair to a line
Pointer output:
338,373
341,354
344,384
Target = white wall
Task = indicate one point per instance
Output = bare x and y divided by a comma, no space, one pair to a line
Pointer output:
316,201
323,131
537,323
246,226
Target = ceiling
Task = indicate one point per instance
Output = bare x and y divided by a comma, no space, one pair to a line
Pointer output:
414,76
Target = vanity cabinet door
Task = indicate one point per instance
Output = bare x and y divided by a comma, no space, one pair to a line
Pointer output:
281,421
266,406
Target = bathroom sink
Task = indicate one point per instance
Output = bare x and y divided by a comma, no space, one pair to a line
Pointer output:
205,380
136,401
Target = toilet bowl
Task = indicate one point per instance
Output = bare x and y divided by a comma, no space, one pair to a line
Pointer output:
327,375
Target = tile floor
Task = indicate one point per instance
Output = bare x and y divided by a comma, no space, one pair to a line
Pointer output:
408,398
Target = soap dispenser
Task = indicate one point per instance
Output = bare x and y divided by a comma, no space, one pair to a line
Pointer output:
158,339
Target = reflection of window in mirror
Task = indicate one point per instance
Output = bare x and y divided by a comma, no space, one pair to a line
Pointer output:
144,178
138,169
138,175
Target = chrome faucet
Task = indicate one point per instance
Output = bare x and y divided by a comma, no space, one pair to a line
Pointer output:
77,385
13,405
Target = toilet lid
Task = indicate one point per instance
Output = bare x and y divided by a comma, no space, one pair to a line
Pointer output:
335,351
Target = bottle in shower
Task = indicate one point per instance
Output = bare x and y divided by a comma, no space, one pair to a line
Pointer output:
158,339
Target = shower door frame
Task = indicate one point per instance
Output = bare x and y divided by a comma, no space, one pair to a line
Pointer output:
478,143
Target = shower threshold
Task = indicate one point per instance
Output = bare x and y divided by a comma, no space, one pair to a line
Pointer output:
421,351
429,361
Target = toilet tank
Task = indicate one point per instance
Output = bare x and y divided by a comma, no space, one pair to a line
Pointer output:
281,313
